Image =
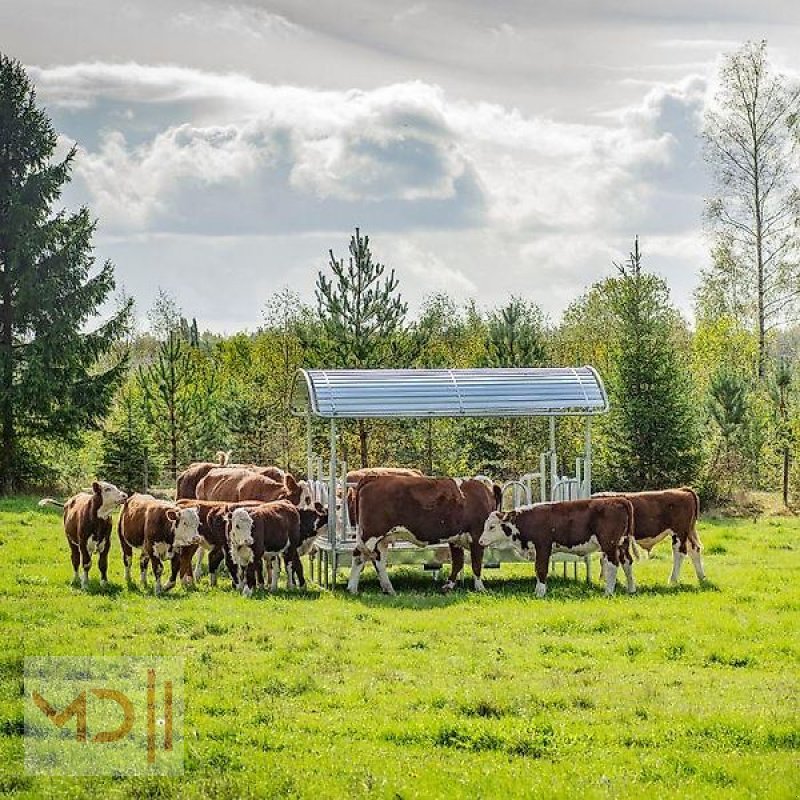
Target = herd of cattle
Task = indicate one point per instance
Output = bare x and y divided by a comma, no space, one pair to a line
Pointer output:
251,517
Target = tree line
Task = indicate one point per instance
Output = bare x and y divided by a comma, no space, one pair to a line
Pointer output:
714,404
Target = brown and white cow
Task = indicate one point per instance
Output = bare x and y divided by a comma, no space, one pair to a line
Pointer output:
422,511
235,485
87,526
160,530
212,538
354,476
602,524
275,526
661,513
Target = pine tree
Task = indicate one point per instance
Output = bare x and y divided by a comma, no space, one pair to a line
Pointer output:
51,385
362,316
128,453
651,428
515,336
727,407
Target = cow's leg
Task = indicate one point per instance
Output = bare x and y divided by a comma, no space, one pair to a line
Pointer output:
276,571
102,560
695,550
174,570
75,555
186,570
260,571
127,558
627,566
355,571
380,567
297,573
233,569
158,571
144,561
86,563
248,580
198,567
610,567
678,554
456,565
215,558
476,556
543,552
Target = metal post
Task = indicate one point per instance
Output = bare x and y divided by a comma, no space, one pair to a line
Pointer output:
309,451
542,477
587,459
553,454
332,488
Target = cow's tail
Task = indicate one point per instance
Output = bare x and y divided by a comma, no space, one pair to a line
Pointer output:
224,457
630,530
50,501
696,497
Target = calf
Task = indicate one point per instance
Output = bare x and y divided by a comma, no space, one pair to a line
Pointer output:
671,511
276,526
235,485
423,511
160,530
574,526
87,525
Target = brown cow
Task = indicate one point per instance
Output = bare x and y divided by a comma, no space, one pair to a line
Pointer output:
235,485
671,511
87,525
423,511
186,484
160,529
356,475
573,526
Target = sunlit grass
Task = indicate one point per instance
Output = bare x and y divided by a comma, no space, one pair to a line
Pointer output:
688,691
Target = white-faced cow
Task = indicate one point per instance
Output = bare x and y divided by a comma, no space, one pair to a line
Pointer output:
602,524
87,525
160,530
659,514
423,511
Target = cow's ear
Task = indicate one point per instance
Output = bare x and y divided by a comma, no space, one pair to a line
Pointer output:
291,483
96,488
319,508
173,514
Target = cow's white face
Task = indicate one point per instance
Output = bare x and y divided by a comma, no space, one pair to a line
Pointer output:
111,498
240,531
498,531
186,526
306,498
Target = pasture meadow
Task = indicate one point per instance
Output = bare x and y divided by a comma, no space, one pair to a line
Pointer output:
687,691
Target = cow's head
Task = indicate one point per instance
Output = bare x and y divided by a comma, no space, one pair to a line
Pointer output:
110,496
240,528
499,530
185,527
312,522
306,496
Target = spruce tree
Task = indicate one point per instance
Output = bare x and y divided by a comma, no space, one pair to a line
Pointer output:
652,440
362,317
51,385
515,336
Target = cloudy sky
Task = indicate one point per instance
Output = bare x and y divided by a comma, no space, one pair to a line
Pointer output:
487,148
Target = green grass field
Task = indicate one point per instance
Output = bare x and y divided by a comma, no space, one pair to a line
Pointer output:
684,692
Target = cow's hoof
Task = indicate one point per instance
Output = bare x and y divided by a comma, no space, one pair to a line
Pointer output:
103,583
448,587
479,587
247,592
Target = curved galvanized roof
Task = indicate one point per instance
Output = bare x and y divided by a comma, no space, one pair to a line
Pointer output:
397,393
